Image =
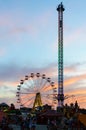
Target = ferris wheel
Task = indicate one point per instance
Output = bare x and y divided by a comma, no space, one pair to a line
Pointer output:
36,90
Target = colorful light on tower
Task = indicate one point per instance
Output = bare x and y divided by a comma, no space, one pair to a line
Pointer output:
60,98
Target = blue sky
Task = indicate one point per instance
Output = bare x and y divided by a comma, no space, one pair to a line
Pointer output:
29,43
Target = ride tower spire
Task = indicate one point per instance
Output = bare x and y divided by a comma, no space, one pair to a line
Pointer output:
60,97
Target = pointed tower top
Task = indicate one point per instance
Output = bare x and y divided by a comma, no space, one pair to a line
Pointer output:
60,7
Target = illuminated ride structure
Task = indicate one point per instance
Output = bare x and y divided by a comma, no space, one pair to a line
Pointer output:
60,96
36,90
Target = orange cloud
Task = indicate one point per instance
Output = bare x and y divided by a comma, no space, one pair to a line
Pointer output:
74,79
72,85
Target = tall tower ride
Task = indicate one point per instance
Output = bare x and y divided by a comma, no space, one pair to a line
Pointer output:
60,98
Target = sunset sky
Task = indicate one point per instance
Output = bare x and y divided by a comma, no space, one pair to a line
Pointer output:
29,43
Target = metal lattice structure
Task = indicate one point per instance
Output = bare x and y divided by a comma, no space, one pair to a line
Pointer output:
60,98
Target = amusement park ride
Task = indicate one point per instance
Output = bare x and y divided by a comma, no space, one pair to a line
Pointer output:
36,89
60,97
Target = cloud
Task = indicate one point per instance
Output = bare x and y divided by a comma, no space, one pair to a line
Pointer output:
70,68
10,76
74,79
79,95
15,26
75,36
8,100
12,71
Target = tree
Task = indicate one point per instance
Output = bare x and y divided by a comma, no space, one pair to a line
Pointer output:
12,106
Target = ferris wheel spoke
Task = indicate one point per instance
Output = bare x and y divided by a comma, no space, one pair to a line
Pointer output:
47,93
46,88
27,101
25,86
43,85
26,96
26,89
47,84
24,100
27,93
32,82
37,77
30,103
35,83
29,83
41,82
47,100
48,97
